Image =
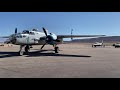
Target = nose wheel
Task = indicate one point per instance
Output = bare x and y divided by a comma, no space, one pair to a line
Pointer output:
26,49
21,52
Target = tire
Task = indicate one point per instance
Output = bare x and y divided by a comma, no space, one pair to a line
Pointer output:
21,53
56,49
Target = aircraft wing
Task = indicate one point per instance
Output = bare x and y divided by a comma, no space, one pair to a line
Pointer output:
7,36
4,36
77,36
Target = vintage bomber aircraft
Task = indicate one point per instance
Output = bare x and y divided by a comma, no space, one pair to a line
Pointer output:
34,37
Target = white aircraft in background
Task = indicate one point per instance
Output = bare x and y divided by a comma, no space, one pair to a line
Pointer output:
116,45
34,37
98,44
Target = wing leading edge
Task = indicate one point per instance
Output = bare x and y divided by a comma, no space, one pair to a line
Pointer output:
4,36
77,36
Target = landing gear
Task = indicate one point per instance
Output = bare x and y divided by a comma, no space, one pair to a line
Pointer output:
21,52
98,45
93,45
26,49
56,49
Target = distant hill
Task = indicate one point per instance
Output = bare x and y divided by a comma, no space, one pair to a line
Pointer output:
110,39
2,40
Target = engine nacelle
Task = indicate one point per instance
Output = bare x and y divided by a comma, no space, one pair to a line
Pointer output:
51,37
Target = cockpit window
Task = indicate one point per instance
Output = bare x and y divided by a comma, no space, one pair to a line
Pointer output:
32,33
19,36
24,36
25,32
28,32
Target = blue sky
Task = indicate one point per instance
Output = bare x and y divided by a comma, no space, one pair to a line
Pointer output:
107,23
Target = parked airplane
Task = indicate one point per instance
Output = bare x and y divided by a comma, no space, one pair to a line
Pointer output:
98,44
34,37
116,45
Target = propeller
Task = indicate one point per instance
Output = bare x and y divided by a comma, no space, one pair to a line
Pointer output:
13,37
43,45
46,38
15,30
49,38
45,31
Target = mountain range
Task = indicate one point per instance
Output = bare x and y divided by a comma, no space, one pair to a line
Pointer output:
110,39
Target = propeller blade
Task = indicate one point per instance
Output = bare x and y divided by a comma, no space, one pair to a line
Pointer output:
15,30
45,31
43,45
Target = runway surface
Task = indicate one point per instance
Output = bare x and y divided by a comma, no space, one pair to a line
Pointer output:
73,61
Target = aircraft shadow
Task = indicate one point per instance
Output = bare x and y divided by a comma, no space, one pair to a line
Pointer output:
45,50
38,53
8,54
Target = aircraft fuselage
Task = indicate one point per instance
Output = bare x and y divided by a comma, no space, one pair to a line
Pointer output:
33,38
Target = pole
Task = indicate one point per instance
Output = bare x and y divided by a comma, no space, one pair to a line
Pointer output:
71,34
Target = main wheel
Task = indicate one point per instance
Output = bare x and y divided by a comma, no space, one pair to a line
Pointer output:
56,49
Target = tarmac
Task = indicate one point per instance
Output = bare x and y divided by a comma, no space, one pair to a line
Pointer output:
72,61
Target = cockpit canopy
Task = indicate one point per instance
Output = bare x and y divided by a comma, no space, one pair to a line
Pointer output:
28,32
25,32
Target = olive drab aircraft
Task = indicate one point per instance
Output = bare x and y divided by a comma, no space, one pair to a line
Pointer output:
27,38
